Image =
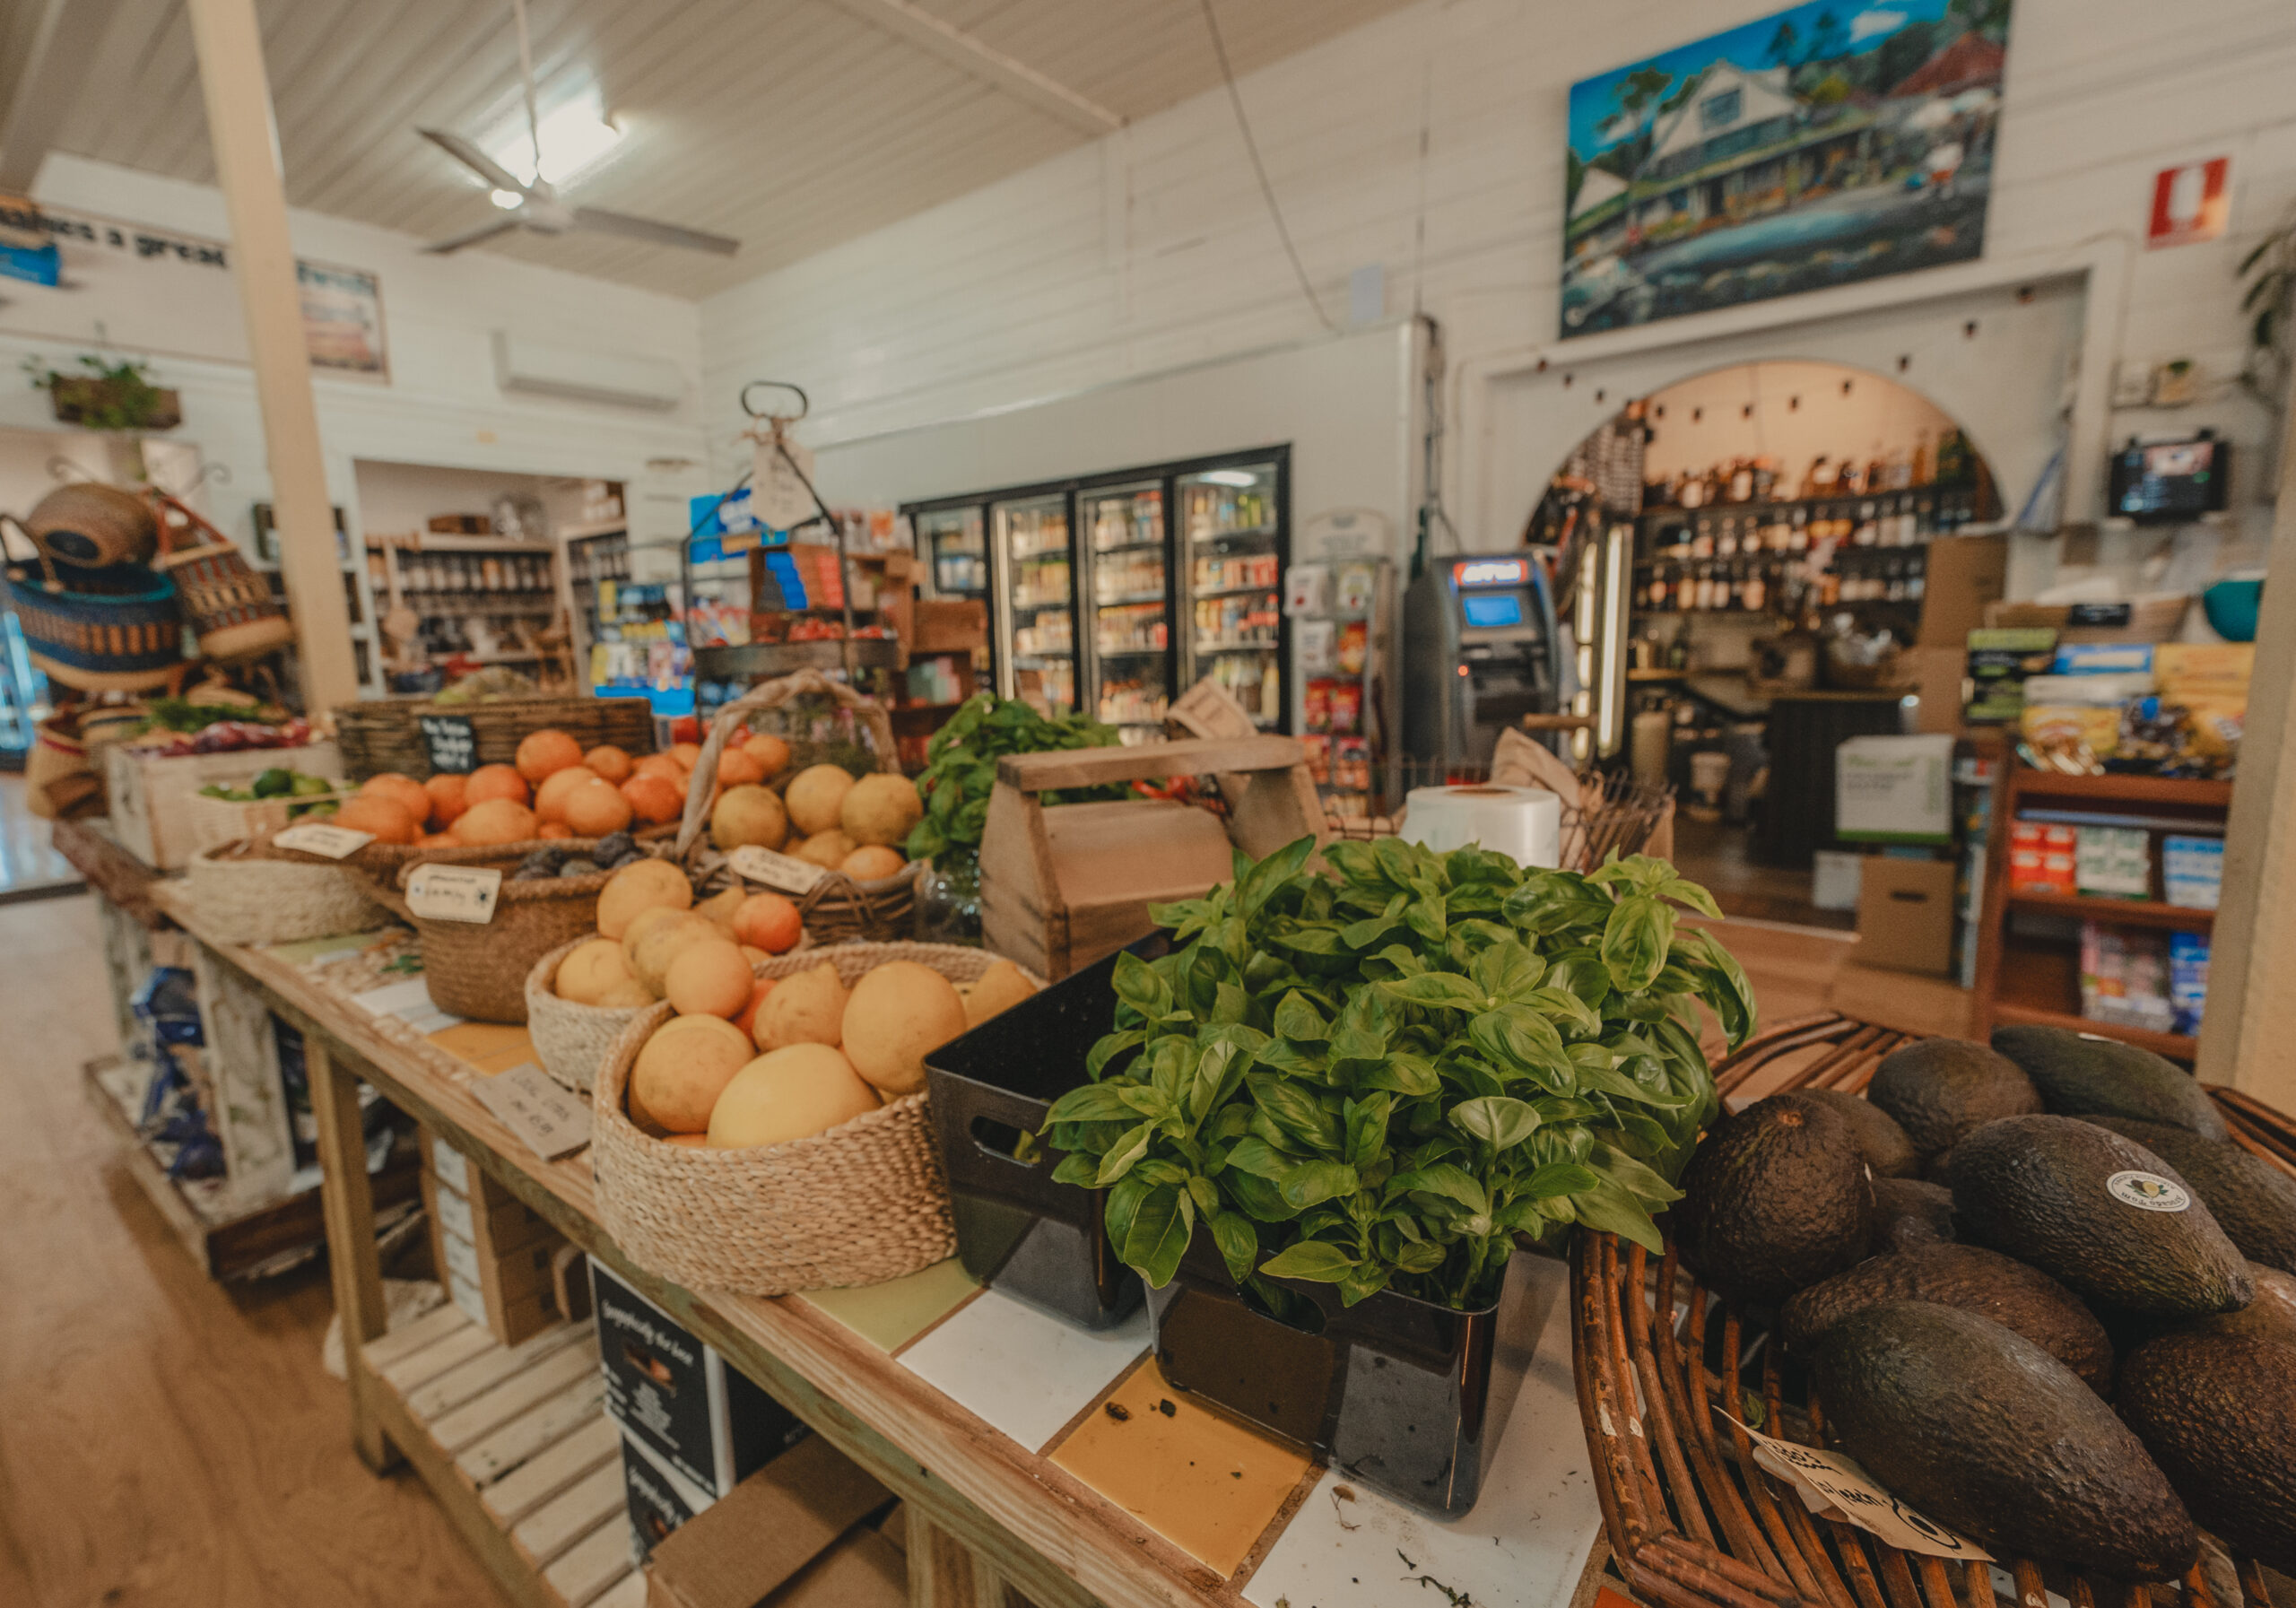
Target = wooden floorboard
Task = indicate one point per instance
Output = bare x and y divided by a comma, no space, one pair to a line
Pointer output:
165,1442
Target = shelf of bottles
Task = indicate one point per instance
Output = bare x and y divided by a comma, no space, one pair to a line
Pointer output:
1727,541
480,604
1038,561
1131,617
1235,585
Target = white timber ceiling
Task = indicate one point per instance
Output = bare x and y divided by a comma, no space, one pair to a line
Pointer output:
791,125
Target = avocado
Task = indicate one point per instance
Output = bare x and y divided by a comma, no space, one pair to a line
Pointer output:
2079,1074
1939,1089
2272,1315
1884,1144
2252,1201
1776,1198
271,783
2218,1413
1908,1212
1966,1276
1982,1430
2099,1213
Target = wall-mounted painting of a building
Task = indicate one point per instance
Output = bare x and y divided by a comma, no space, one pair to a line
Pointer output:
1822,144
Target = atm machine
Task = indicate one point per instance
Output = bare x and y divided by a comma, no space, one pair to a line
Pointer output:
1480,652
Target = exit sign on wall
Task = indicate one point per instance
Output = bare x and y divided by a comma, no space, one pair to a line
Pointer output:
2191,203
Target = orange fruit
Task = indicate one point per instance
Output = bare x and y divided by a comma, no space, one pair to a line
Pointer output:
597,807
662,765
408,792
769,751
747,1020
447,797
380,813
687,755
550,798
653,799
553,829
735,768
768,922
495,781
496,821
708,978
545,752
608,761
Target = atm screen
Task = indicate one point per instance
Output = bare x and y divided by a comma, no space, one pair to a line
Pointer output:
1493,608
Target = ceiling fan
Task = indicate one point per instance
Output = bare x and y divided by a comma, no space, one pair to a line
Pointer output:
538,206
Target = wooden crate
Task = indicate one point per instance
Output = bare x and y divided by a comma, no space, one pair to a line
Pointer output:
495,1256
524,1427
151,792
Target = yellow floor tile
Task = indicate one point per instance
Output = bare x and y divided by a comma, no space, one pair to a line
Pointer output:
892,1314
492,1047
1200,1479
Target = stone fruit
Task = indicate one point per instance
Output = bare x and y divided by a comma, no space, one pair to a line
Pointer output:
550,797
771,753
495,821
898,1014
999,988
447,797
747,1019
660,942
678,1076
872,862
641,886
745,815
768,922
708,978
794,1092
652,799
410,795
808,1008
381,814
544,753
610,762
826,850
597,973
816,797
496,781
597,807
881,809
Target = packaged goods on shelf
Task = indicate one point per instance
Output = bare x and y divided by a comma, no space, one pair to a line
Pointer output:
2112,862
2000,660
2192,871
2188,979
2124,976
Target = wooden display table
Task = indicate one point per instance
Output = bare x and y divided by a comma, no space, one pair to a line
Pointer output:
1040,1464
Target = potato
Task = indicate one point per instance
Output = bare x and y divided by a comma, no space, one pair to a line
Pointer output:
895,1015
805,1009
678,1076
789,1093
641,885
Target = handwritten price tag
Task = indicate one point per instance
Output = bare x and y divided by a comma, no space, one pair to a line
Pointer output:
1829,1482
318,837
755,865
454,892
547,1119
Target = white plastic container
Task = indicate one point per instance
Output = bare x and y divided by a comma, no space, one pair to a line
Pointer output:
1523,823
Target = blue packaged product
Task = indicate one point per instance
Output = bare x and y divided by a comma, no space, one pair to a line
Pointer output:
2188,978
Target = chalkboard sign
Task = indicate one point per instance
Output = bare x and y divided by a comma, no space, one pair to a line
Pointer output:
452,741
2112,615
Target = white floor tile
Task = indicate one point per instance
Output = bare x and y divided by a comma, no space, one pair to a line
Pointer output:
1024,1371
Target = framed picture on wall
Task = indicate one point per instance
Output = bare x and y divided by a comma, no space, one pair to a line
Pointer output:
1816,146
343,319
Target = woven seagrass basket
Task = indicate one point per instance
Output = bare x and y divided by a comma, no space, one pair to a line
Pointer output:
863,1202
573,1040
252,891
479,969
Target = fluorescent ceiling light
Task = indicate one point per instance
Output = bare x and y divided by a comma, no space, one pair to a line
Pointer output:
1229,477
575,137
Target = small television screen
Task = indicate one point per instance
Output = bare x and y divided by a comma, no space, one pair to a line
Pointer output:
1494,608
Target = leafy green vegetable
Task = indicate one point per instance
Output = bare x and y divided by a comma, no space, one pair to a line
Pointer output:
1376,1073
960,768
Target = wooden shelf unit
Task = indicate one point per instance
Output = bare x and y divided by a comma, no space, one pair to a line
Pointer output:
2028,978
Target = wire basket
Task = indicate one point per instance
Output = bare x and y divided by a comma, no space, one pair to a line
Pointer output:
1612,814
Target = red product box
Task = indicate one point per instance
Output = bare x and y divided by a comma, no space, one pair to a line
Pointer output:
2041,858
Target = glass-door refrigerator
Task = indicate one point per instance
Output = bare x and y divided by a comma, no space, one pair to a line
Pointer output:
955,544
1035,577
1130,668
1231,537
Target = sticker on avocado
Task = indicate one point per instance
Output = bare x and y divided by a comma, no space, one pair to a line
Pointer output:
2148,1192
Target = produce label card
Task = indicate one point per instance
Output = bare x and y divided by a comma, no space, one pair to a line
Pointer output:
454,892
781,872
547,1119
1828,1482
316,838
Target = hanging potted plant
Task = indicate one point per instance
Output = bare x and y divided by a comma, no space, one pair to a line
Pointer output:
1326,1124
110,395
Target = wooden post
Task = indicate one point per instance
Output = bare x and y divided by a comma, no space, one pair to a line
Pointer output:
246,143
2248,1033
347,1198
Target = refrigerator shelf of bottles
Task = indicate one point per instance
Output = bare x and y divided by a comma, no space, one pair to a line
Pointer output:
1212,648
1155,546
1039,554
1130,599
1240,532
1110,652
1234,591
1024,605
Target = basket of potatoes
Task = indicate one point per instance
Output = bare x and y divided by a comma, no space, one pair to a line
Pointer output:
770,1133
835,814
582,994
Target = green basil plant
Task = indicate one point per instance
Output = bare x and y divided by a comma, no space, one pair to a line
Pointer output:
1384,1070
960,768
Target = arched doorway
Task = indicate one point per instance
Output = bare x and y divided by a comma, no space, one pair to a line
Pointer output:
1779,519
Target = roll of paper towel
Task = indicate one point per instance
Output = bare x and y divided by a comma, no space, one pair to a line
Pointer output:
1523,823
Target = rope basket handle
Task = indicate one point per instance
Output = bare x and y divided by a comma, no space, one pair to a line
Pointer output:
40,555
180,525
757,699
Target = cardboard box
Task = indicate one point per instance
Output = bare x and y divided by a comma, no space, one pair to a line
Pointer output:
494,1255
668,1390
2112,862
949,625
1965,574
2192,871
1894,789
660,1498
1905,914
150,792
1938,677
789,1535
2041,858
